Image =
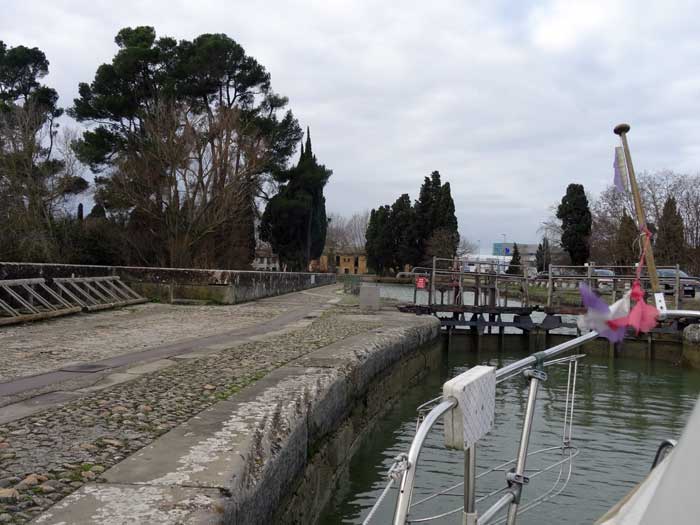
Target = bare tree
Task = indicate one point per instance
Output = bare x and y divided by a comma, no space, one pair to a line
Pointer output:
346,234
655,189
466,247
337,239
551,227
35,183
195,180
357,229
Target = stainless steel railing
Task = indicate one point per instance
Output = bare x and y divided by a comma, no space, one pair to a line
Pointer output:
511,497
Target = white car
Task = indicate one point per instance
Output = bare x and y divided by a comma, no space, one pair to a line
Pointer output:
603,278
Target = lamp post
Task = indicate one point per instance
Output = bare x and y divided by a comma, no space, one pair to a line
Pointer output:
503,250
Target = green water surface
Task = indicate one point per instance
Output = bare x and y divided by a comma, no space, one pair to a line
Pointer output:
624,408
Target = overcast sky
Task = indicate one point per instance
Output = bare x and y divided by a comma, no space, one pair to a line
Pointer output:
510,101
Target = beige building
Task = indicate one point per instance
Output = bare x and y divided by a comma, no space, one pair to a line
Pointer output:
344,263
266,260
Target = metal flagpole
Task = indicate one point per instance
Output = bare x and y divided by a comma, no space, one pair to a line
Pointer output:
621,130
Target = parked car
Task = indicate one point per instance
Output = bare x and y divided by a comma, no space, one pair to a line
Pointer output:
603,277
668,281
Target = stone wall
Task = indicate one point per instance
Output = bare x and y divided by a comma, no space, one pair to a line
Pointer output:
346,387
172,284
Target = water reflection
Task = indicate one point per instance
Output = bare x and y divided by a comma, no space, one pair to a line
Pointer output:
624,408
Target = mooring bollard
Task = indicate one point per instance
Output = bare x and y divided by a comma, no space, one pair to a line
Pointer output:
369,297
691,345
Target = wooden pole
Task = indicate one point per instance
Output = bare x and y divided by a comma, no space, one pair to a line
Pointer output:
621,130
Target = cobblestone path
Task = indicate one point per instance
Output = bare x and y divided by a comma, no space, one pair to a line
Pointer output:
42,347
46,456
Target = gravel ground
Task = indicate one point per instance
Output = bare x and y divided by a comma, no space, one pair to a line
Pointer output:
42,347
47,456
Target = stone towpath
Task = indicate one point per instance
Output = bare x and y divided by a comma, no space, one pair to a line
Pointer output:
53,452
45,363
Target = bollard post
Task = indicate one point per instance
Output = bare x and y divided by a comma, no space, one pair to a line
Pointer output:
431,295
526,287
678,293
550,287
477,283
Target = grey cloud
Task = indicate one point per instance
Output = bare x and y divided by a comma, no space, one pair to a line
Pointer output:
511,101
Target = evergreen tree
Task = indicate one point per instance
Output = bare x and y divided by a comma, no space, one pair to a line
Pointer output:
404,234
669,247
627,242
97,212
379,247
515,262
184,135
576,221
295,221
447,220
435,210
401,232
424,210
543,256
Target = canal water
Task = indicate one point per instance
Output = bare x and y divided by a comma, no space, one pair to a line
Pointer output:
624,408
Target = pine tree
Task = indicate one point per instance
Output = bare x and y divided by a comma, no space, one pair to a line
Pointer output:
576,220
669,247
515,262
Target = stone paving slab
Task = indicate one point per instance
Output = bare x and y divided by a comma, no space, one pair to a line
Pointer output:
134,505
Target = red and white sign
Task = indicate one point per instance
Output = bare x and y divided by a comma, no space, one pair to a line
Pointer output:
421,283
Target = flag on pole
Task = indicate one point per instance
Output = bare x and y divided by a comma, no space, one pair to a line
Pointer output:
599,314
620,167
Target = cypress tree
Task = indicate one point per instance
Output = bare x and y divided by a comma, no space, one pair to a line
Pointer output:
378,246
515,262
670,239
295,221
435,218
576,220
543,256
401,229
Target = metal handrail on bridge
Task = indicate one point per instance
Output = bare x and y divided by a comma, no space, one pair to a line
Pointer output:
403,502
556,279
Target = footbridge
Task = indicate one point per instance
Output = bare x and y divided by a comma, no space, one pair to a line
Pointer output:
488,297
